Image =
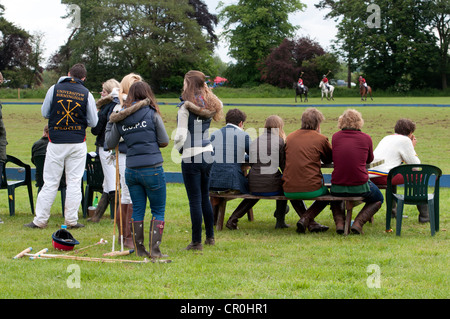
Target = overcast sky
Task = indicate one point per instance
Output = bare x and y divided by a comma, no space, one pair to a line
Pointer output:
45,16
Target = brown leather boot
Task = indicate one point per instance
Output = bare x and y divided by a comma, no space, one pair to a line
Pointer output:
240,211
308,218
337,208
101,208
364,216
155,237
137,229
127,235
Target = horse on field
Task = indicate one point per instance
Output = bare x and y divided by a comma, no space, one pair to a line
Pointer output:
363,92
300,91
326,91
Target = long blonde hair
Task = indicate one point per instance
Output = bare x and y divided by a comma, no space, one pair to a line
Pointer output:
276,122
125,85
195,86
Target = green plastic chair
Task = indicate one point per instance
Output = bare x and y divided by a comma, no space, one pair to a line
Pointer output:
11,185
416,182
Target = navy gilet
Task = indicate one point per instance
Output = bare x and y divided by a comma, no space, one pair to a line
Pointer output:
67,122
139,132
197,131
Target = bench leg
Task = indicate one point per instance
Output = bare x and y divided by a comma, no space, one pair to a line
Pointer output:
221,207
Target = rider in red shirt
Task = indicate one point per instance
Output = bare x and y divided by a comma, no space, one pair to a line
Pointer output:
362,81
300,81
325,81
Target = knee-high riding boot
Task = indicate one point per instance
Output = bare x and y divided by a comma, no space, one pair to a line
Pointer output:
337,208
424,216
280,214
240,211
311,213
137,229
101,208
155,237
364,216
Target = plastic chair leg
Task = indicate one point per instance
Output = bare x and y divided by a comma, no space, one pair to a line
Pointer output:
432,217
399,218
30,196
12,205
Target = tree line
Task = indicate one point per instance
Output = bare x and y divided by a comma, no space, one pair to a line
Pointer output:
163,39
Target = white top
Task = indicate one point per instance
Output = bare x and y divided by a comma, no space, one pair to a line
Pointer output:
395,149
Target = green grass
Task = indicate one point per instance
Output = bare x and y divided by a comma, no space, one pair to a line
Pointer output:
256,261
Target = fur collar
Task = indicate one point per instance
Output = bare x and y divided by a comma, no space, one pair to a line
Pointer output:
200,111
124,113
104,100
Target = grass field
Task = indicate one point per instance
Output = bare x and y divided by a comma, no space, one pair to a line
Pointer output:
256,261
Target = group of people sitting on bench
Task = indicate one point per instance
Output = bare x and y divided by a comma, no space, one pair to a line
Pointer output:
291,166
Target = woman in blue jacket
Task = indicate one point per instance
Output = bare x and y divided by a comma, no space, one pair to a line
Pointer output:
142,128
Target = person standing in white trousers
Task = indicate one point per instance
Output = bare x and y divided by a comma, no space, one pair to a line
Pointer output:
69,108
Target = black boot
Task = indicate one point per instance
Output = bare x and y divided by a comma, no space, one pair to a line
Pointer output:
308,218
112,203
364,216
424,216
101,208
280,214
137,229
155,237
240,211
299,207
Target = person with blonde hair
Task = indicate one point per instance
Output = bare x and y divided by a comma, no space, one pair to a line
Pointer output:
198,107
105,105
126,205
352,151
305,149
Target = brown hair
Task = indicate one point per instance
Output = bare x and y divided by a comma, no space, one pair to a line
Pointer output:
140,91
311,118
404,127
351,119
78,71
276,122
235,116
194,86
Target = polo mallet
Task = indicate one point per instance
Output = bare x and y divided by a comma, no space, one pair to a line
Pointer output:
119,253
117,195
42,255
101,242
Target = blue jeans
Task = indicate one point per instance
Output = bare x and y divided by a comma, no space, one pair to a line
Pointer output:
372,196
196,175
146,183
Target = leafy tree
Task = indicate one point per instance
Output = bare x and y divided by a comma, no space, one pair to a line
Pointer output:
400,53
253,28
158,39
441,23
285,63
20,54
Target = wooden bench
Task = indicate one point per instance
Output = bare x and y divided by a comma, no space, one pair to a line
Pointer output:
219,203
